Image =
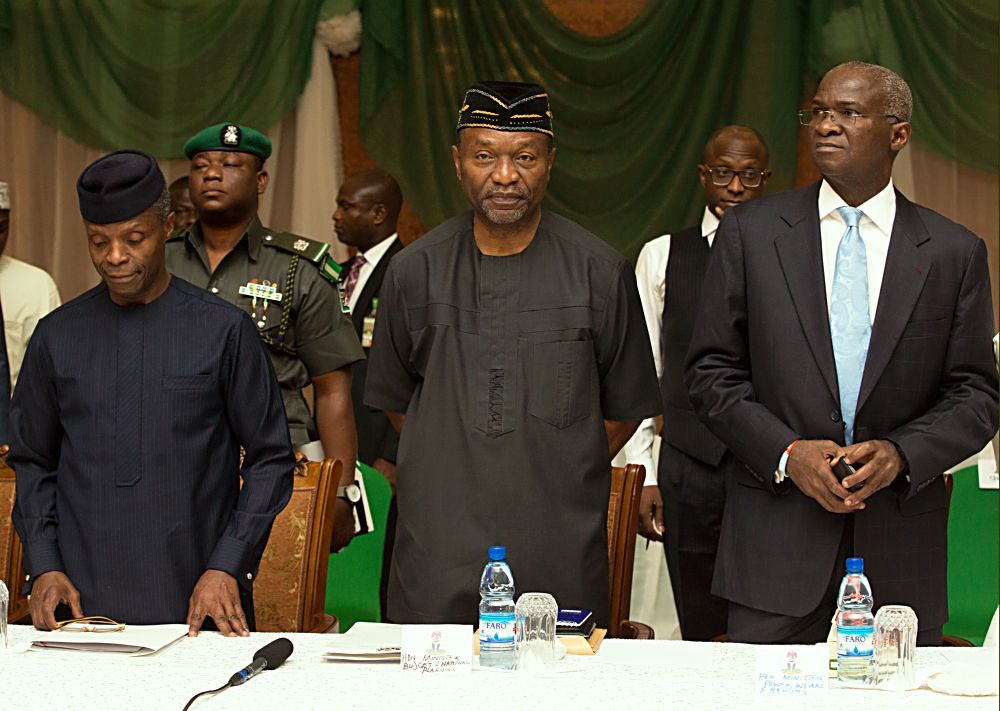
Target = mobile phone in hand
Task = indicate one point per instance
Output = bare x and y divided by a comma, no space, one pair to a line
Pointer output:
842,470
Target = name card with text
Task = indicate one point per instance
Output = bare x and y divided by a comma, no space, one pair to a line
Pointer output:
432,649
794,670
987,465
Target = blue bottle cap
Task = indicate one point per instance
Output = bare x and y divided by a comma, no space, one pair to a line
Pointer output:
855,565
498,552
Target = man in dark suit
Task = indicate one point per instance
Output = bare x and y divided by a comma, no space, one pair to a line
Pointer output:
684,497
368,206
844,322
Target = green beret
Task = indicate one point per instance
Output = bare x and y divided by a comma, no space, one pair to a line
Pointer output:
229,137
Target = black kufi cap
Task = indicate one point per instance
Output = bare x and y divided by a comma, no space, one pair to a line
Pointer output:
119,186
506,106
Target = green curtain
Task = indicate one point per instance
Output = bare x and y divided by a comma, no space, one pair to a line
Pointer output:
150,73
632,111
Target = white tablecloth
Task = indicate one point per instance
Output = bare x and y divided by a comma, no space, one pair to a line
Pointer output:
640,676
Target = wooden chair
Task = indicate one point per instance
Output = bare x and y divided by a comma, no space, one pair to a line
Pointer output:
623,527
290,590
10,544
950,640
635,630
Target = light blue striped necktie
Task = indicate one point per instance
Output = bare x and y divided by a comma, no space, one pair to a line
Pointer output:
850,325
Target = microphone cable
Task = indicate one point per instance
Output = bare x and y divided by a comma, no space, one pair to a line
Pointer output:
271,656
205,693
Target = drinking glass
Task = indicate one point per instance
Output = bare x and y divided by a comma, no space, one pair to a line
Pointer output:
536,615
4,600
895,642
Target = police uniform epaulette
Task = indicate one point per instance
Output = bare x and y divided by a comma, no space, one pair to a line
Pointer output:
309,249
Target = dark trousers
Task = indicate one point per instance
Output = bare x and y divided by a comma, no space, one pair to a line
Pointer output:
694,496
390,542
759,627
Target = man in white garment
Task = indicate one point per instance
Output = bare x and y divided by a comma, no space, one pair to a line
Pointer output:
27,293
684,496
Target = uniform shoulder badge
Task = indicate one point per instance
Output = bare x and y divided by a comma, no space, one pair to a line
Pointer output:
309,249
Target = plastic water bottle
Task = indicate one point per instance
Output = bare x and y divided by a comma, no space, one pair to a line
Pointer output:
496,612
855,626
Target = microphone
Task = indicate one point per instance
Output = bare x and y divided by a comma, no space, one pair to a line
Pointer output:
270,656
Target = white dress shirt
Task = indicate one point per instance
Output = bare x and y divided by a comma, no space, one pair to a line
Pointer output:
27,294
372,258
875,229
651,276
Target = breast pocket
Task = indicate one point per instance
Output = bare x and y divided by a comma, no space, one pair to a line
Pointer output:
561,381
187,382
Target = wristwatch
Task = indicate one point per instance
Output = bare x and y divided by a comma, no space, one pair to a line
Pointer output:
350,493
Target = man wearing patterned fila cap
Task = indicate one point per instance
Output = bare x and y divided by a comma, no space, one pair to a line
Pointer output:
285,282
513,381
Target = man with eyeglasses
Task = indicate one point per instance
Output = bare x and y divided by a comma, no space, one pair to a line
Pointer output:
844,325
684,496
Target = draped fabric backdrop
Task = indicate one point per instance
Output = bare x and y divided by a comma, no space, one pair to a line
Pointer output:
57,114
147,73
946,50
633,110
629,110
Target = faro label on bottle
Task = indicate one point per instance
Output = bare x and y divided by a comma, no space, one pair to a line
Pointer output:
855,641
496,628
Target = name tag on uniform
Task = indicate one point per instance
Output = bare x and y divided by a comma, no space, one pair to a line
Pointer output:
342,290
268,292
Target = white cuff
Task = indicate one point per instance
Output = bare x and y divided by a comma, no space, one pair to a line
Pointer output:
779,473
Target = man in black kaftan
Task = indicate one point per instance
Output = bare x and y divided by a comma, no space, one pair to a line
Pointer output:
514,353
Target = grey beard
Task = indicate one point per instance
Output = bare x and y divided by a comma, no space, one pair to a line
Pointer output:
505,217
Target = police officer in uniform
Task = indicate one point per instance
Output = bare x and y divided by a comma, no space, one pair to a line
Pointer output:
288,285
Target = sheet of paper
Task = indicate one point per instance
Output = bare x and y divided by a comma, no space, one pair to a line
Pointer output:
365,642
134,640
367,636
433,649
795,670
987,463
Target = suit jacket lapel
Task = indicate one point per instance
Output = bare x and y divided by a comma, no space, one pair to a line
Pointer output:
800,254
902,281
